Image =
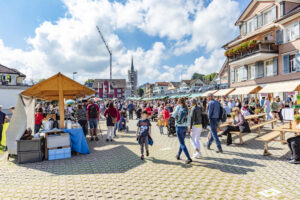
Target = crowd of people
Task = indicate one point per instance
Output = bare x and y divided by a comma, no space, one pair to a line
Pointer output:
184,116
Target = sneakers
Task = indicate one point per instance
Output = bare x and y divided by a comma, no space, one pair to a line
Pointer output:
96,138
111,140
219,151
92,138
142,157
147,153
293,161
188,161
177,157
197,155
107,140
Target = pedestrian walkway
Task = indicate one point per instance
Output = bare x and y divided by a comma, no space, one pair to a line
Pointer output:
114,170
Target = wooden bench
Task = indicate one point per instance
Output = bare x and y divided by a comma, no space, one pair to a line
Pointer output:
268,138
257,126
261,125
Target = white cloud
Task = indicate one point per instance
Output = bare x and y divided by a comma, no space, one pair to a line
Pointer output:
73,44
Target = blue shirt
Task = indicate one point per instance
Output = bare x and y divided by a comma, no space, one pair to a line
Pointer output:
130,107
2,118
144,127
213,109
175,115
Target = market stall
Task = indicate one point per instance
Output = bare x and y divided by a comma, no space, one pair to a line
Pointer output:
205,94
224,92
245,91
57,87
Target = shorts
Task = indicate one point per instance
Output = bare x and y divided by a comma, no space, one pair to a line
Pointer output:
93,123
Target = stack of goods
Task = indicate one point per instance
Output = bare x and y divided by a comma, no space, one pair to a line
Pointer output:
30,149
58,146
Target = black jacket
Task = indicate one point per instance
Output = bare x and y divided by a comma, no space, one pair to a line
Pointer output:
195,116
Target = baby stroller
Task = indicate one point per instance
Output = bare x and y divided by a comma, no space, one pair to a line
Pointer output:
171,126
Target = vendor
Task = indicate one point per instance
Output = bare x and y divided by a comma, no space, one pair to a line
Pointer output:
38,120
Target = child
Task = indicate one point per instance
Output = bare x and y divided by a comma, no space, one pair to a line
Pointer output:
143,132
160,123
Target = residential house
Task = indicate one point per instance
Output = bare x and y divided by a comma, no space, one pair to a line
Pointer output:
10,76
160,88
106,89
223,77
173,87
190,85
11,85
149,90
267,48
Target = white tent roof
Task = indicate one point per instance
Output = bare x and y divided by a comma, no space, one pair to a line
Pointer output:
287,86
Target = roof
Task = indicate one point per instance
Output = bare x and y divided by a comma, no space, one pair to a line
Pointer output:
224,92
290,13
175,84
6,70
115,83
49,89
162,83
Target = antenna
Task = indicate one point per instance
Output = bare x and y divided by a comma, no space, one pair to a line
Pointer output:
109,51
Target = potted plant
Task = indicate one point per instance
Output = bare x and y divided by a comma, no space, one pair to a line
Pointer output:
297,119
252,44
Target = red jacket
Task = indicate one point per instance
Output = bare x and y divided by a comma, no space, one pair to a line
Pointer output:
118,116
166,114
110,112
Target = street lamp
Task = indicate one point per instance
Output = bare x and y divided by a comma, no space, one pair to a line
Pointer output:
74,74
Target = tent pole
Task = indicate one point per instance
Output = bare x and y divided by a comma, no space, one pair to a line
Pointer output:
61,103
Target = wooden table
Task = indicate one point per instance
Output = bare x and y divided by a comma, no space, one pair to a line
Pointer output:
288,127
247,118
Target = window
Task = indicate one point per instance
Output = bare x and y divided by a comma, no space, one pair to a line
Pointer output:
232,76
260,70
242,73
269,68
270,15
292,32
291,62
244,29
252,24
252,71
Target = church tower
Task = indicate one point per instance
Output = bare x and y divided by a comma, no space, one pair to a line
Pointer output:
132,79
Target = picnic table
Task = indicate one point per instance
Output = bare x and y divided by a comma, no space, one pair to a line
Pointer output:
247,118
291,127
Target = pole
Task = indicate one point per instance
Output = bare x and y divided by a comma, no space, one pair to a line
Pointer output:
61,103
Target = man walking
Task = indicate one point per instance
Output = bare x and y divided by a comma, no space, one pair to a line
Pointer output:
2,121
130,109
213,114
93,112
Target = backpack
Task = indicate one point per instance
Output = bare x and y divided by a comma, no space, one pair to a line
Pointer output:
93,111
182,116
223,114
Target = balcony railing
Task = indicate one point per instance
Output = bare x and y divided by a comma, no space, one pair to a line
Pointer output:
260,47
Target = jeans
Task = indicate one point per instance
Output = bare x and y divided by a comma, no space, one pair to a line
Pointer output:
115,128
1,128
144,141
93,123
181,133
130,114
161,129
214,133
227,132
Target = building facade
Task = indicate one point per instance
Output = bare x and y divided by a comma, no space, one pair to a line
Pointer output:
223,77
173,87
160,88
149,90
132,79
267,49
11,77
106,89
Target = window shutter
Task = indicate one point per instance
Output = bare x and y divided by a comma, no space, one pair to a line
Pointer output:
279,37
282,8
286,64
260,20
255,23
232,75
297,61
275,66
274,13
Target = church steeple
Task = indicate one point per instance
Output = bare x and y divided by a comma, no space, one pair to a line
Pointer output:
132,67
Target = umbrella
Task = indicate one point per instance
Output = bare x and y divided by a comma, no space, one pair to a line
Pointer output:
70,101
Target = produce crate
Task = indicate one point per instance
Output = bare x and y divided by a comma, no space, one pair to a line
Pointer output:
30,157
58,140
54,154
30,145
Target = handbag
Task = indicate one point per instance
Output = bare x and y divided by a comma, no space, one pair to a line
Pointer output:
245,128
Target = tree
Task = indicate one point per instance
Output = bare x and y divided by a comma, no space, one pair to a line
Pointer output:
89,81
197,76
140,92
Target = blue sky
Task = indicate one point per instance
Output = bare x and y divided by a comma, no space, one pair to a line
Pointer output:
21,18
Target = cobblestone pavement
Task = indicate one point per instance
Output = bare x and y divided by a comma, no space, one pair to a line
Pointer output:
115,171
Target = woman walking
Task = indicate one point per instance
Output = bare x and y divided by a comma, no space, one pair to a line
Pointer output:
182,121
111,119
196,127
82,119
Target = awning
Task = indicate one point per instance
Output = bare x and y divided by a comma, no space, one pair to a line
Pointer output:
287,86
205,94
196,95
246,90
224,92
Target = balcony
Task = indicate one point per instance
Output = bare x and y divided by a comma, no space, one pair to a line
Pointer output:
248,54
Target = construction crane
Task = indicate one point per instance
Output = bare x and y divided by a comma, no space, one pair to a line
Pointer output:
109,51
